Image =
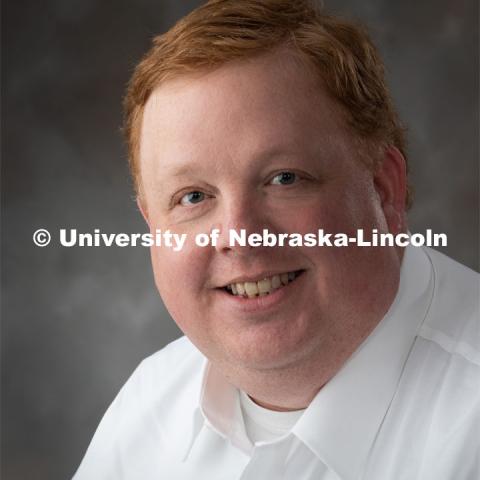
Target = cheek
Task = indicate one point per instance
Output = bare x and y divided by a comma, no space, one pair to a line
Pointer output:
179,276
357,207
331,215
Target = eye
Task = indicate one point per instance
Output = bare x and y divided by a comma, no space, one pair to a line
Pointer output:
284,178
191,198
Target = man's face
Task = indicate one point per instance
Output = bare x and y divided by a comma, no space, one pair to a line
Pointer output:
253,145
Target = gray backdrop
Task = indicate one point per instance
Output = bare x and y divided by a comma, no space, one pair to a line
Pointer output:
76,322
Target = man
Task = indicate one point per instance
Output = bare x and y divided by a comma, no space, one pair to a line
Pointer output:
298,362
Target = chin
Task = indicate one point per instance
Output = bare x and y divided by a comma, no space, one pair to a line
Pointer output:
266,353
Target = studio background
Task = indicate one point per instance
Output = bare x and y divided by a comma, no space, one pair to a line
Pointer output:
76,322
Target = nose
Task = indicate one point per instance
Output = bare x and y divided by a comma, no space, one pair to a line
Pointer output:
241,214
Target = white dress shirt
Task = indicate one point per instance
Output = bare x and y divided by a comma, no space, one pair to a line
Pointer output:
405,406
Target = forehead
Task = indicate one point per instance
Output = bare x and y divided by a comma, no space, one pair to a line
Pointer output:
270,102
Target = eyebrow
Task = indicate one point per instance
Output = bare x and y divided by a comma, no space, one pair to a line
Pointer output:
184,170
260,157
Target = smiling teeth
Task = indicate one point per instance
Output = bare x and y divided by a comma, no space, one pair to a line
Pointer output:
251,288
262,287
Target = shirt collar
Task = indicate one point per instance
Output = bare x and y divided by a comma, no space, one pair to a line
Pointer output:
349,410
217,405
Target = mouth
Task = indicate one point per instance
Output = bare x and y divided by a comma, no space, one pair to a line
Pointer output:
262,287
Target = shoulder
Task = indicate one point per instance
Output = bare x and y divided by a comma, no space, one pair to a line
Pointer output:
450,273
178,355
453,319
433,418
176,367
150,418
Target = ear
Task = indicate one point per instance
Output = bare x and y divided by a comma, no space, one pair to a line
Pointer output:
143,209
390,181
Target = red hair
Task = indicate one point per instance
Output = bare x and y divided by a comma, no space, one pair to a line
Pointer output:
221,31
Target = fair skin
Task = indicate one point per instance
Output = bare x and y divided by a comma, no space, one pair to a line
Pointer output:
259,144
